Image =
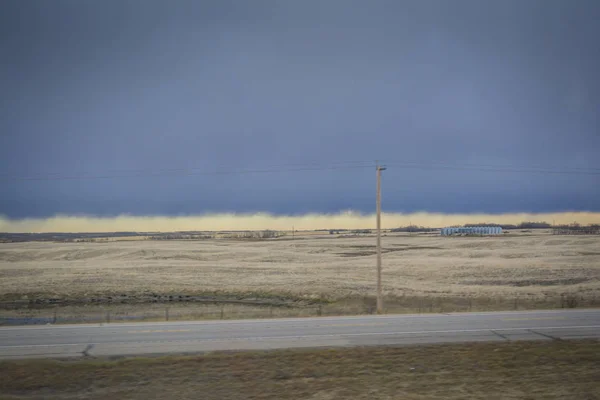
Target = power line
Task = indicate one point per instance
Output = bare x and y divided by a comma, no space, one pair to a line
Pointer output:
456,167
186,172
119,172
180,172
520,167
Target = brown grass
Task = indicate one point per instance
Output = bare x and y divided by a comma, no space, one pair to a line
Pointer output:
535,265
512,370
115,312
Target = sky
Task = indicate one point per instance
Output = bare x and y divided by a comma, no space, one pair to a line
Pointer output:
114,93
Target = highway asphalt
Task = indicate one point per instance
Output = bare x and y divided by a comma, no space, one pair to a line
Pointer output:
119,339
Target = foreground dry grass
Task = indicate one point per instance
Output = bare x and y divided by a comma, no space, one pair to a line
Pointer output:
535,265
515,370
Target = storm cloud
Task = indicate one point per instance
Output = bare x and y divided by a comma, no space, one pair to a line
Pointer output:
93,87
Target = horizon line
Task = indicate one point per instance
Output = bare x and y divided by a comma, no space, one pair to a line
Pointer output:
62,223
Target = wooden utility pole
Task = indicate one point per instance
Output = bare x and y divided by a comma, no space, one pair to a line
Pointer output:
379,290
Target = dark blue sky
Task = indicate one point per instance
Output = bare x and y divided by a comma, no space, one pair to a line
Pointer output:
94,87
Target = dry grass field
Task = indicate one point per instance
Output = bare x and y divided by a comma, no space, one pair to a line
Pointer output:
508,370
317,266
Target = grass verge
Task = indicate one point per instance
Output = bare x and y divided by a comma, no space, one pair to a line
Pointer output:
512,370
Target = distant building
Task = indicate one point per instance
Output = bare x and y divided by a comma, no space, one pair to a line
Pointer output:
472,230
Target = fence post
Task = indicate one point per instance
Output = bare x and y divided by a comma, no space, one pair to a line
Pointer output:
320,310
166,313
516,303
222,311
470,304
271,311
54,319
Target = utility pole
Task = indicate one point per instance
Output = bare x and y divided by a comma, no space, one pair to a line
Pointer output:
379,290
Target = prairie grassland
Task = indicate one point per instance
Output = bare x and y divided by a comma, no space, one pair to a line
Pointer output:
508,370
318,266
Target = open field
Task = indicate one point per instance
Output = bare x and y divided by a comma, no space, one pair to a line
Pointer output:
509,370
535,267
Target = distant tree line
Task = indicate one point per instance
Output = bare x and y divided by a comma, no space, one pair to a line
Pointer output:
61,237
266,234
413,228
576,229
179,236
522,225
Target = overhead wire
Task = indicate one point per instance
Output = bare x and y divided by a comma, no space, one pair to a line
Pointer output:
484,168
299,167
179,172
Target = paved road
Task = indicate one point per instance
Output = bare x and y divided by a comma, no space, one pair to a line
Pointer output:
183,337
